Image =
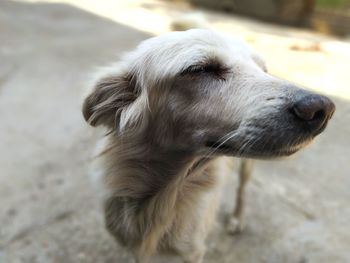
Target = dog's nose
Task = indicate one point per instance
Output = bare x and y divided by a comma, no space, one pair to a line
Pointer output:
313,109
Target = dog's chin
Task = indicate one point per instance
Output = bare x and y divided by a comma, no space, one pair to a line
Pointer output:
230,149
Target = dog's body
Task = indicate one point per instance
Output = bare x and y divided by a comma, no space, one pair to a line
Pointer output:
165,201
173,107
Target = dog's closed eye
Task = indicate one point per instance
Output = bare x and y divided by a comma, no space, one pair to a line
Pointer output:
213,69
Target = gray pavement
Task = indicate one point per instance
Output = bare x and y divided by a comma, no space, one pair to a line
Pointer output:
298,209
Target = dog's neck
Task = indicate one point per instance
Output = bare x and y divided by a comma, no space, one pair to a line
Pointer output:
138,168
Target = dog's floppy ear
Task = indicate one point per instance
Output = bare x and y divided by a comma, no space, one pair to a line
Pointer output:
114,102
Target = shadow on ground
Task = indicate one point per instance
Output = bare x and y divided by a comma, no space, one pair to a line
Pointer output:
297,212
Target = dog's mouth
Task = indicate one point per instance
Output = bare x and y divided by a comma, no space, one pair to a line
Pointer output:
220,147
217,148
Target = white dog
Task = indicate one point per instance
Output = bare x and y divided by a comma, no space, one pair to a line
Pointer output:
173,108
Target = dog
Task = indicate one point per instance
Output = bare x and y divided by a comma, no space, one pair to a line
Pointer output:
175,109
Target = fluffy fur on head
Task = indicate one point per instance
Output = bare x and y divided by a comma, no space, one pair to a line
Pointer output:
172,107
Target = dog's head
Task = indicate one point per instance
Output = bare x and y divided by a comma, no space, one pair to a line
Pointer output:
205,92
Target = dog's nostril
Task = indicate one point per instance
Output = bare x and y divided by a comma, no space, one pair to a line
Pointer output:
319,115
313,108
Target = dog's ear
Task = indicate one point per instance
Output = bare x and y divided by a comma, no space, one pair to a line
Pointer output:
115,102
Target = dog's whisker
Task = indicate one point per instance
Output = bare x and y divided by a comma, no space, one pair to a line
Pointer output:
229,137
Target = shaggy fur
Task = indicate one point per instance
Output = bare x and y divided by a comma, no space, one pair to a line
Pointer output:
173,108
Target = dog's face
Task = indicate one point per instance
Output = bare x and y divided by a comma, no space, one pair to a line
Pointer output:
207,93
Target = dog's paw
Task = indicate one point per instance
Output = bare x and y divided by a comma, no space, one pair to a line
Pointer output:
234,226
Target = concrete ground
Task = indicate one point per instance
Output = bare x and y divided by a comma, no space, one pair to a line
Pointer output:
298,209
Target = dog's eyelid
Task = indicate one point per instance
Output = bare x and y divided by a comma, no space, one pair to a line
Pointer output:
214,68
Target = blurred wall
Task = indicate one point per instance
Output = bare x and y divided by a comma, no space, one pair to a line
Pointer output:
294,12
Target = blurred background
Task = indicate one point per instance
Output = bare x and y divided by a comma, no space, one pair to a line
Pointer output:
298,208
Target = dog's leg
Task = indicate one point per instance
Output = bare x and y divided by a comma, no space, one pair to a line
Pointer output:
235,224
195,255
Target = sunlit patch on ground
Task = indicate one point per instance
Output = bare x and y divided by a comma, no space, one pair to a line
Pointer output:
315,61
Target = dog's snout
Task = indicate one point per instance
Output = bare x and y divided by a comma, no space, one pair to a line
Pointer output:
313,109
